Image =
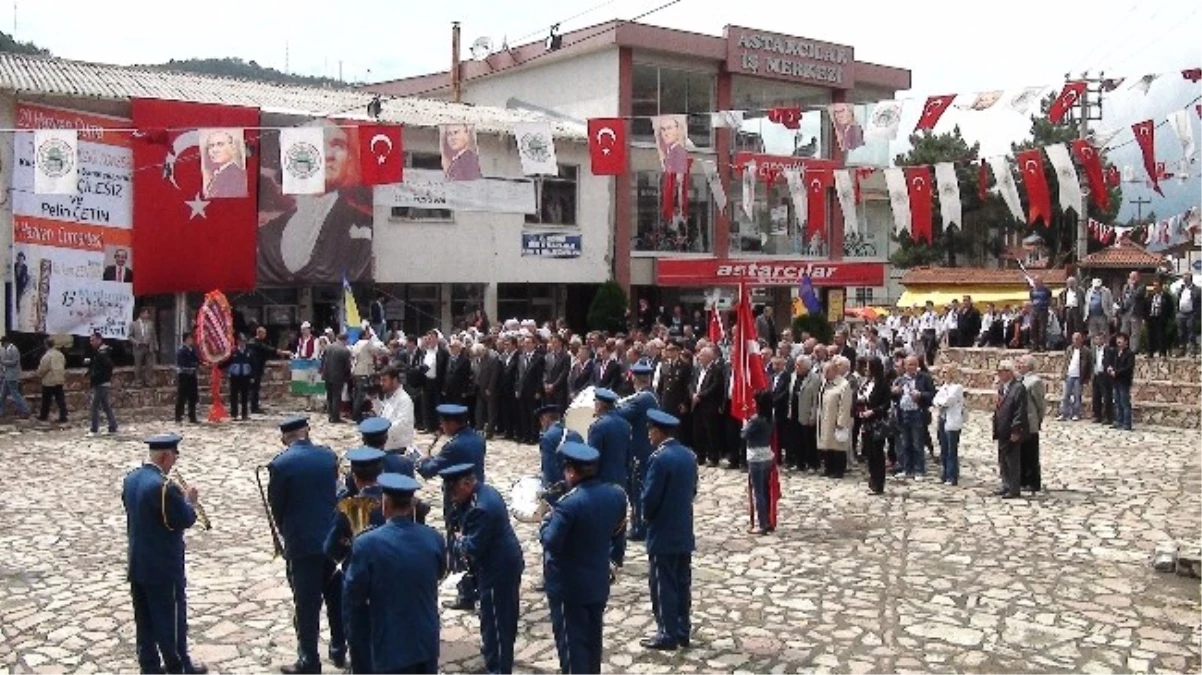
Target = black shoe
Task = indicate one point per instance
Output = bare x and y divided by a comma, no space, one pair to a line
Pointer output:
999,493
299,669
459,604
660,643
338,659
683,642
1010,495
198,668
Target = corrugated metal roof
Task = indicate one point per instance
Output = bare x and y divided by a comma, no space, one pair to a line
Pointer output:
25,74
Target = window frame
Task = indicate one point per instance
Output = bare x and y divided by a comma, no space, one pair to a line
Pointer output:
535,220
412,214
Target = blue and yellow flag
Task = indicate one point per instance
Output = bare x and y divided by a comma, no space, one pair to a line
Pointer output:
351,321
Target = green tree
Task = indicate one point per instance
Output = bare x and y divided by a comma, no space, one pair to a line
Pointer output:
13,46
607,312
972,241
246,70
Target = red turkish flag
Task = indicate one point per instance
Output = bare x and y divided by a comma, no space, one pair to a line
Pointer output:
189,242
788,117
667,197
1039,200
381,154
1145,136
1114,177
918,185
816,182
747,366
862,173
933,110
1192,74
607,146
1066,100
983,180
715,328
1092,161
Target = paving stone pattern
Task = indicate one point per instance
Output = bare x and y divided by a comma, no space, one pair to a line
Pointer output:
927,578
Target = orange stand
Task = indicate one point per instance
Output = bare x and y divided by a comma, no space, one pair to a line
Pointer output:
217,411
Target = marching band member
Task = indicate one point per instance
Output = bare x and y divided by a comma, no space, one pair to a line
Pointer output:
609,434
302,495
157,511
487,544
554,435
578,535
399,619
634,410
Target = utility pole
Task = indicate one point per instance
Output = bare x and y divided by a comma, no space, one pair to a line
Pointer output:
1139,208
1090,111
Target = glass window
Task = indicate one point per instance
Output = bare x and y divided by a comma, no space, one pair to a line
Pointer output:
775,228
864,296
681,235
875,219
525,301
421,308
556,198
644,101
760,135
665,91
465,299
419,160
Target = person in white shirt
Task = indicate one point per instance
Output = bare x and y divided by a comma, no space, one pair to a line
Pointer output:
928,332
1076,375
395,406
949,399
363,366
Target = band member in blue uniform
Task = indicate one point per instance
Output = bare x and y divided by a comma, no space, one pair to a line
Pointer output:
374,433
578,535
668,507
634,410
302,494
609,435
490,549
366,467
553,436
392,585
157,512
465,447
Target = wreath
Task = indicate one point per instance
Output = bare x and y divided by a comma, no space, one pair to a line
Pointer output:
215,328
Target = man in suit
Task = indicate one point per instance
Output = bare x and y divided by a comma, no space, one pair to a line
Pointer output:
580,374
528,389
336,372
119,270
302,494
555,373
486,378
578,536
1122,372
778,383
508,403
1077,372
707,390
1101,356
804,409
1133,308
1032,478
433,366
635,410
1010,426
607,373
1072,303
457,385
667,501
969,323
157,511
765,328
144,337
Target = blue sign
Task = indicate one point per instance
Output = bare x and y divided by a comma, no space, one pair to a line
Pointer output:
551,245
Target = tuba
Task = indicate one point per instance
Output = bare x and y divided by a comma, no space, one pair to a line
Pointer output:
358,512
202,518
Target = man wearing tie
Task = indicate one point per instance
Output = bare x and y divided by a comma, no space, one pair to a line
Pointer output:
555,377
119,271
707,390
146,347
1009,429
528,390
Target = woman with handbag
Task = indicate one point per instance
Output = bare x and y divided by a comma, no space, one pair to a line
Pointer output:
872,410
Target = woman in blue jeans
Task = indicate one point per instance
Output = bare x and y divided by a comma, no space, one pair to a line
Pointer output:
950,402
757,433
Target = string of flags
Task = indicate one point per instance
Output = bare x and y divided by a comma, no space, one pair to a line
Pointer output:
1155,236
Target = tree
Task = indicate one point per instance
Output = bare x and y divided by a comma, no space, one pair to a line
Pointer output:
607,312
13,46
974,240
246,70
1060,235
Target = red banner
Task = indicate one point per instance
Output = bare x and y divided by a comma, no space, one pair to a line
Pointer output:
728,272
1092,162
769,167
192,236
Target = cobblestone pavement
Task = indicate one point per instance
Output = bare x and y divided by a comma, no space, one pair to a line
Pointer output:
928,578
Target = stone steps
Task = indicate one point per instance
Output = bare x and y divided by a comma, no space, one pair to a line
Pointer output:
1156,414
1176,370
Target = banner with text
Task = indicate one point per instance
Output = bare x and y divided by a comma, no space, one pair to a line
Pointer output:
428,189
65,245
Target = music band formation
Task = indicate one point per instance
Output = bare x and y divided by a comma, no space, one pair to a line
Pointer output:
354,537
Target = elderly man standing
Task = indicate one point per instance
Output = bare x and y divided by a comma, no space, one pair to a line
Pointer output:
1036,409
1072,299
1133,306
834,419
1099,309
1009,427
486,376
1078,369
1189,306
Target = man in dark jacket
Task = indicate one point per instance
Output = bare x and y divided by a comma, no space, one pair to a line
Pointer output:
528,391
100,377
458,383
260,353
486,376
1101,357
708,389
555,373
970,322
432,364
508,404
673,391
186,391
1009,429
1122,372
336,372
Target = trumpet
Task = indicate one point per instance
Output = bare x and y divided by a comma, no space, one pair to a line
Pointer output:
201,517
275,533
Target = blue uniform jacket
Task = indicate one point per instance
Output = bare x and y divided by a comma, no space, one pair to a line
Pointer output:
577,536
634,411
548,450
465,447
486,539
668,493
302,494
610,435
391,590
395,461
156,515
338,542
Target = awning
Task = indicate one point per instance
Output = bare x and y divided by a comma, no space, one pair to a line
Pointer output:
980,295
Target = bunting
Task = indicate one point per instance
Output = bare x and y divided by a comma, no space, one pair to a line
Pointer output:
1006,186
1066,178
1065,101
918,186
932,110
1145,137
1039,201
899,199
949,194
797,192
817,183
1092,162
846,193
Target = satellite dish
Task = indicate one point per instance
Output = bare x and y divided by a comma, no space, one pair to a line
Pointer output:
481,48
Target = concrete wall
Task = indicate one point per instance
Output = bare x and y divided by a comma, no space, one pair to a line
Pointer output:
582,87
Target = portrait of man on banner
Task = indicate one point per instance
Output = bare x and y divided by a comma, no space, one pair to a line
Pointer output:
848,131
315,238
460,154
223,163
671,139
117,265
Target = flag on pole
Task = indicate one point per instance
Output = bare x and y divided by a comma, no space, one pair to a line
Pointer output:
351,323
748,374
715,327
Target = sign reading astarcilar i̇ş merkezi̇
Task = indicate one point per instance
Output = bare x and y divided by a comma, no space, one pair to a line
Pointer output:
793,59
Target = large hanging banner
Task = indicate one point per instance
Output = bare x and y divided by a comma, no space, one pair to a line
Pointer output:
72,254
428,189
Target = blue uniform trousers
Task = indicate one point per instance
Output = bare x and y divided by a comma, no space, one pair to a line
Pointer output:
671,594
577,631
499,623
161,620
315,578
634,488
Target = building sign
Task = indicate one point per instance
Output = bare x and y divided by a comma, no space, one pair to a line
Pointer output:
551,245
776,165
793,59
727,272
428,189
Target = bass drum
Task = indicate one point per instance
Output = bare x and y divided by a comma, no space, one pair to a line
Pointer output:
524,501
580,412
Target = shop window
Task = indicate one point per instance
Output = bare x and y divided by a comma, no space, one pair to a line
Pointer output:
667,91
774,228
422,160
526,301
875,218
466,299
421,308
680,235
863,296
556,198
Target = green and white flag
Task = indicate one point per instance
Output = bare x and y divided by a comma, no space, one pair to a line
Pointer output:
306,378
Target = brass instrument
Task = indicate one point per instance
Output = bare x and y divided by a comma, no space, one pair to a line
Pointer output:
358,512
202,518
437,437
275,533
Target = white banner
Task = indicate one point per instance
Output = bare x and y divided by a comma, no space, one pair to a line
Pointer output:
427,189
536,148
899,199
949,195
83,307
846,190
1066,178
56,161
710,168
748,196
797,192
303,160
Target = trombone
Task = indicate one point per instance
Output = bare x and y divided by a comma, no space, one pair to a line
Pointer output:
201,517
275,533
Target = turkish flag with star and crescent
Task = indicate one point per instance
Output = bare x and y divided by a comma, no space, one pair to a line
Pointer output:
186,241
1067,99
918,185
933,110
817,181
381,154
1144,136
1092,162
607,146
1039,200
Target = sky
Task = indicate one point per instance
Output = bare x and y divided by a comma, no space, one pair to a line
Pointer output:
951,46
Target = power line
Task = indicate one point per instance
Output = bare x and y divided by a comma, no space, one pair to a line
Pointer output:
1100,43
1119,45
544,29
1184,21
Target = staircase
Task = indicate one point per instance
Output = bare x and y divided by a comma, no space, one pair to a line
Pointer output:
1164,393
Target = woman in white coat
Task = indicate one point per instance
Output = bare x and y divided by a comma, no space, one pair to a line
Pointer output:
949,399
834,419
